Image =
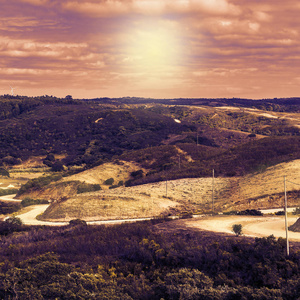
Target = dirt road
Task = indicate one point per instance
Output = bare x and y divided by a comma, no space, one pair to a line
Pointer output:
252,226
9,198
29,218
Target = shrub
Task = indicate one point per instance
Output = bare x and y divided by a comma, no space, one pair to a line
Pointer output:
8,192
29,201
137,174
14,221
237,229
39,182
113,186
57,166
296,211
87,187
3,172
250,212
10,225
109,181
77,222
9,207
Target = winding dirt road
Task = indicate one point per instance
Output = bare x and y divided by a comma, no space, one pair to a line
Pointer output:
252,226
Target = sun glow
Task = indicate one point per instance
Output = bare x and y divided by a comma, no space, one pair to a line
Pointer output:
153,49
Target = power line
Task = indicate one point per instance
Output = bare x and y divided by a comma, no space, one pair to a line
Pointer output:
292,182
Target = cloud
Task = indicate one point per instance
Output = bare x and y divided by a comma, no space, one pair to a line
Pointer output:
113,8
192,47
35,2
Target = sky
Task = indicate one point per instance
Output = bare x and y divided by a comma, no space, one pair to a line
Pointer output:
150,48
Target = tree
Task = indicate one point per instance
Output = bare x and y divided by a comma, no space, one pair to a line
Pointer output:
237,229
57,166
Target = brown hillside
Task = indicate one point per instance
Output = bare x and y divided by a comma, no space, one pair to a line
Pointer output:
296,226
67,186
147,200
119,171
264,189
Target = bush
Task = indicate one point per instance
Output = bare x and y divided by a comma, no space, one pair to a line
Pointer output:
250,212
57,166
137,174
109,181
8,192
77,222
3,172
14,221
114,186
87,187
296,211
29,201
39,182
9,207
237,229
10,225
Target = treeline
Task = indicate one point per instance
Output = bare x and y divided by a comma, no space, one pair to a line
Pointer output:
138,261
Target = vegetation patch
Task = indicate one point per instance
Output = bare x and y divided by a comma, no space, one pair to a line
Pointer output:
138,261
37,183
87,187
29,201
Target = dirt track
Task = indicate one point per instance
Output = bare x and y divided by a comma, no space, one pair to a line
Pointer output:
252,226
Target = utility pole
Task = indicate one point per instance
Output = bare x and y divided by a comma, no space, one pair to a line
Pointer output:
286,225
213,189
166,182
166,187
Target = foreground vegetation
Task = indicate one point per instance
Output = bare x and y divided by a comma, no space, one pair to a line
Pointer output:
139,261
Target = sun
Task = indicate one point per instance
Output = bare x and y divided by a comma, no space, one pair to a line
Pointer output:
153,48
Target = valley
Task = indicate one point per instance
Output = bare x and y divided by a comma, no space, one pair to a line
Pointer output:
134,198
249,148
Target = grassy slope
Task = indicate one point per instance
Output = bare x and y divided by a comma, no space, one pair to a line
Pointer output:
148,136
254,191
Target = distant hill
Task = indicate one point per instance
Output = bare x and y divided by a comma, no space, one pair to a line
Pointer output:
177,138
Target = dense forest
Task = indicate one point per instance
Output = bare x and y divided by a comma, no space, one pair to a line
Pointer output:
142,261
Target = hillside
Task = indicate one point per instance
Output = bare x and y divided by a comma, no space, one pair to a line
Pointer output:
148,200
265,189
120,172
91,132
82,146
255,191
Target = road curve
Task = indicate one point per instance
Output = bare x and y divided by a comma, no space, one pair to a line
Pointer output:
252,226
9,198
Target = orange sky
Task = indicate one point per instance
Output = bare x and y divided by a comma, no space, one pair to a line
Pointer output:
150,48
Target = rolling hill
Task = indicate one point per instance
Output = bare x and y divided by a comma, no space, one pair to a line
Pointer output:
136,141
